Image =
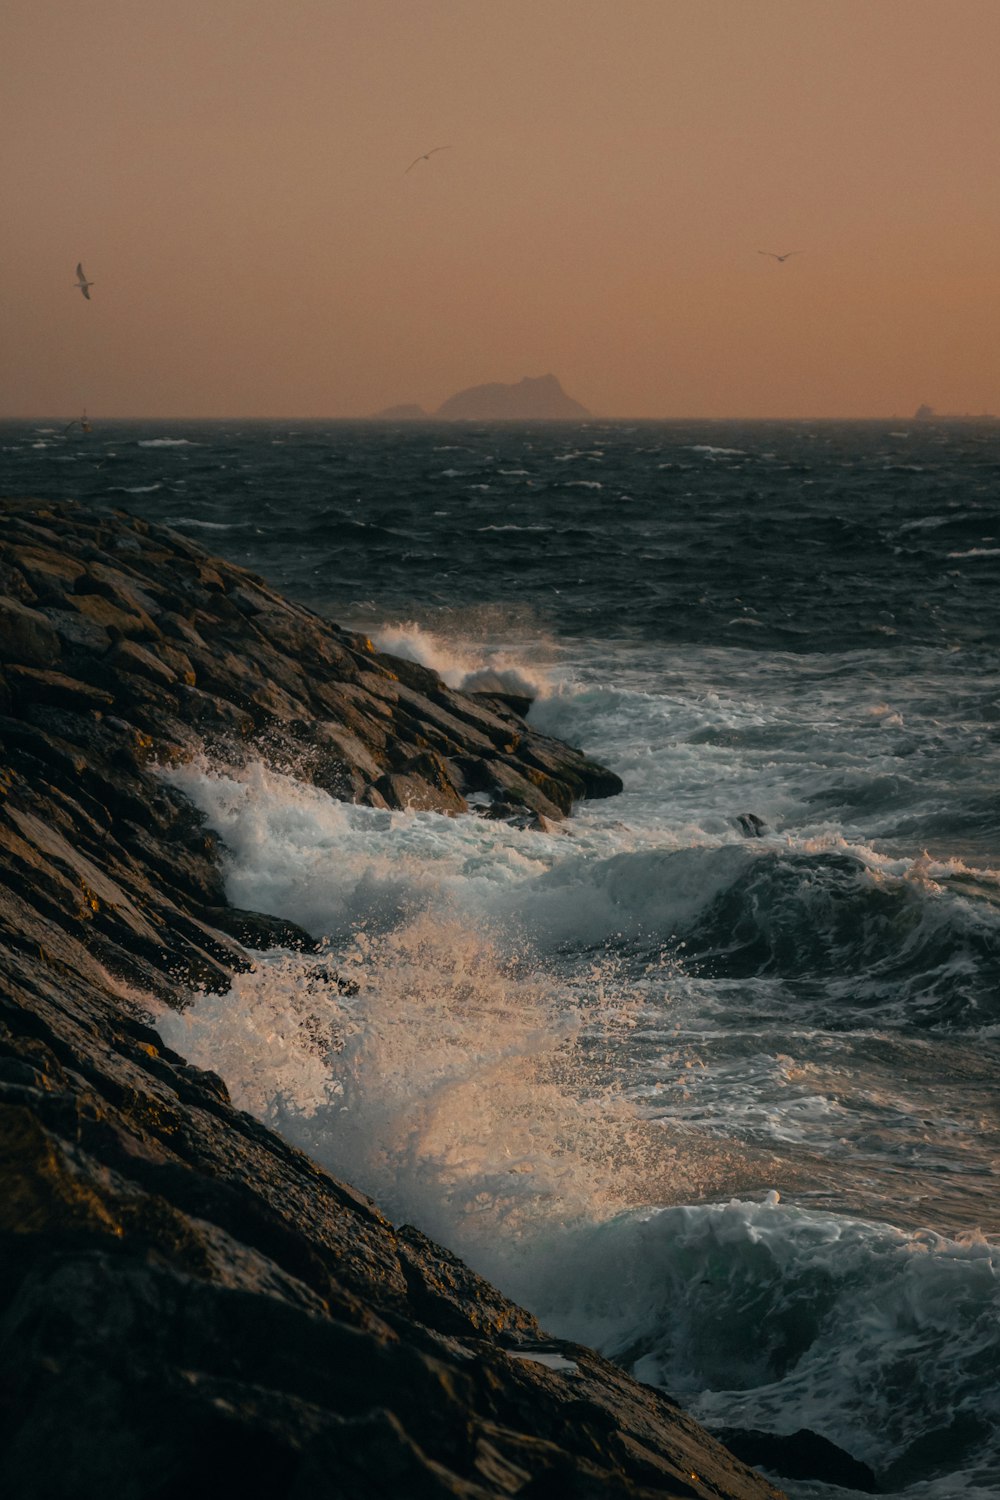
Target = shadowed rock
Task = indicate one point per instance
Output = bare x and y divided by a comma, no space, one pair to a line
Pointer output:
802,1455
751,825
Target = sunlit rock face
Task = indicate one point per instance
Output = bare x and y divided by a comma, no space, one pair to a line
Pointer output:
187,1302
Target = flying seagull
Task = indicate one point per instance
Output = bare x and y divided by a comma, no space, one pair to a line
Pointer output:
426,157
774,256
82,281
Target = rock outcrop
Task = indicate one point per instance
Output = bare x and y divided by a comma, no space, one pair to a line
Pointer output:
539,399
187,1303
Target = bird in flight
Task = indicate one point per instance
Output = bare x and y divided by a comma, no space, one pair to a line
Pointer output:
775,256
426,157
82,281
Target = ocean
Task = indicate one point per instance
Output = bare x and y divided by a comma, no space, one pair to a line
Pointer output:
705,1076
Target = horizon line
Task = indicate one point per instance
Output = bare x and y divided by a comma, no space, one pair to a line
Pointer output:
431,417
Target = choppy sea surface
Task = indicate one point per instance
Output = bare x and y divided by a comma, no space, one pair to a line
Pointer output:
725,1106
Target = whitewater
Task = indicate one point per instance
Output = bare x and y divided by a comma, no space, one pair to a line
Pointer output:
705,1076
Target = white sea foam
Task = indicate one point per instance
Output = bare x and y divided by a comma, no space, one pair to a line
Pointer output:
977,552
196,523
932,523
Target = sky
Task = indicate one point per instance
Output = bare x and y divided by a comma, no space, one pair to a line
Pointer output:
232,175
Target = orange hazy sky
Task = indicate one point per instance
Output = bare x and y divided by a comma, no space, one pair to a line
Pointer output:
232,175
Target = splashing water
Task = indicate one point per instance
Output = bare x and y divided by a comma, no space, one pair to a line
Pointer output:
493,669
466,1091
535,1072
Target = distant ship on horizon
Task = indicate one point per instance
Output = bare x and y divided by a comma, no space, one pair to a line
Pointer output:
928,414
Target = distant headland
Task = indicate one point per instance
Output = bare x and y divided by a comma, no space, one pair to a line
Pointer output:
533,399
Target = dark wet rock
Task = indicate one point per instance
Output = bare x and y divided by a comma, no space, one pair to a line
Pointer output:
255,929
139,621
187,1303
28,637
751,826
412,793
526,789
29,687
499,811
499,700
801,1455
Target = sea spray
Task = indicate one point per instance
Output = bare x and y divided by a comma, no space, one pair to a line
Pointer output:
498,668
469,1092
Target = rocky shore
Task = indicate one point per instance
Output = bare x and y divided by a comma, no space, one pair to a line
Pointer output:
189,1304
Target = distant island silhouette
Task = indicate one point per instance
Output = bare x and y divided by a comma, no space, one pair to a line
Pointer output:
928,414
535,399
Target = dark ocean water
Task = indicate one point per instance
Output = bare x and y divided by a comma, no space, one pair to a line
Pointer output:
725,1106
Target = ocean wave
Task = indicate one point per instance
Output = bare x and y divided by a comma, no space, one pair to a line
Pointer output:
878,941
472,669
512,527
856,938
768,1317
166,443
